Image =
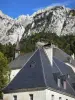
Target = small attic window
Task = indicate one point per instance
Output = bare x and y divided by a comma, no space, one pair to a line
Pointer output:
56,75
33,64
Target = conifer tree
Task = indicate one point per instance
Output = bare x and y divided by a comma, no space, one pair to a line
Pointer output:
4,72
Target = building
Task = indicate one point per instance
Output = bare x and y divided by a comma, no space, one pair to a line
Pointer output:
21,59
18,63
42,77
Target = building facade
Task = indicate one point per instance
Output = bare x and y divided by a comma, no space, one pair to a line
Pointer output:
20,60
42,77
38,95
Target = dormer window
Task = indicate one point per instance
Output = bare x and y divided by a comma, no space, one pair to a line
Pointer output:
33,64
56,76
64,84
59,82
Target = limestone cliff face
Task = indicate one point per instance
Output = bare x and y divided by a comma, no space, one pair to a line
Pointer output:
9,29
58,19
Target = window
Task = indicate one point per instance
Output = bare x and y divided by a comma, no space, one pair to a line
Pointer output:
52,97
15,97
64,84
60,98
59,82
31,96
33,64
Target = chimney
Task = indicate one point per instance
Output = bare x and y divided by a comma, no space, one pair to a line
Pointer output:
40,44
49,52
17,51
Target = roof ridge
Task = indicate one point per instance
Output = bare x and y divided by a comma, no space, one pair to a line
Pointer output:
42,68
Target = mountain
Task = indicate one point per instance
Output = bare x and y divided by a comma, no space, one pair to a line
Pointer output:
9,29
58,19
24,20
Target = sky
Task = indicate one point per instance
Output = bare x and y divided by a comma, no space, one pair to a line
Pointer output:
15,8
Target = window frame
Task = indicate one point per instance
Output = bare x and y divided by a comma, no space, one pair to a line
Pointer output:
15,97
60,98
52,97
31,96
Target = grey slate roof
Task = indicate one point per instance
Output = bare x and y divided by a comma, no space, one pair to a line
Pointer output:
58,53
22,59
38,72
19,62
73,62
61,55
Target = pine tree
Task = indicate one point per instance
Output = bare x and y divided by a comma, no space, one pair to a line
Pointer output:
4,72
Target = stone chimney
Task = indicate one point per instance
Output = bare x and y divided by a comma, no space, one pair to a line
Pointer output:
49,52
48,48
40,44
17,49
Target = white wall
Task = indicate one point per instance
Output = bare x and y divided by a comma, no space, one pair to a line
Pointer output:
37,95
57,95
13,73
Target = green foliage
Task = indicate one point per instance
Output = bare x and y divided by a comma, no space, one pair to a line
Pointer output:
66,43
4,71
72,12
8,50
28,44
